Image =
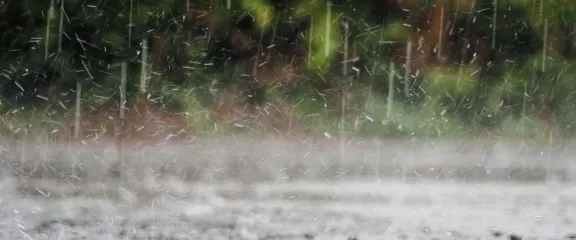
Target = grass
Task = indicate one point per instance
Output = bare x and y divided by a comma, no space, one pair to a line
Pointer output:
368,119
308,114
524,128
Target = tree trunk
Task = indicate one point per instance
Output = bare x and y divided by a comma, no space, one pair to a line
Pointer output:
567,30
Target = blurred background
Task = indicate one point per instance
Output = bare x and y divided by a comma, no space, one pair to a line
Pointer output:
287,119
364,68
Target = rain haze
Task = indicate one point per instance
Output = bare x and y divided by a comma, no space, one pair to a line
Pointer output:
288,119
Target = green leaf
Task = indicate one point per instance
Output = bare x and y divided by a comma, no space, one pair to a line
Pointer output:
262,12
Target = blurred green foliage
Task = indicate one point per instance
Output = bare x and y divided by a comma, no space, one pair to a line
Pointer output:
210,45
